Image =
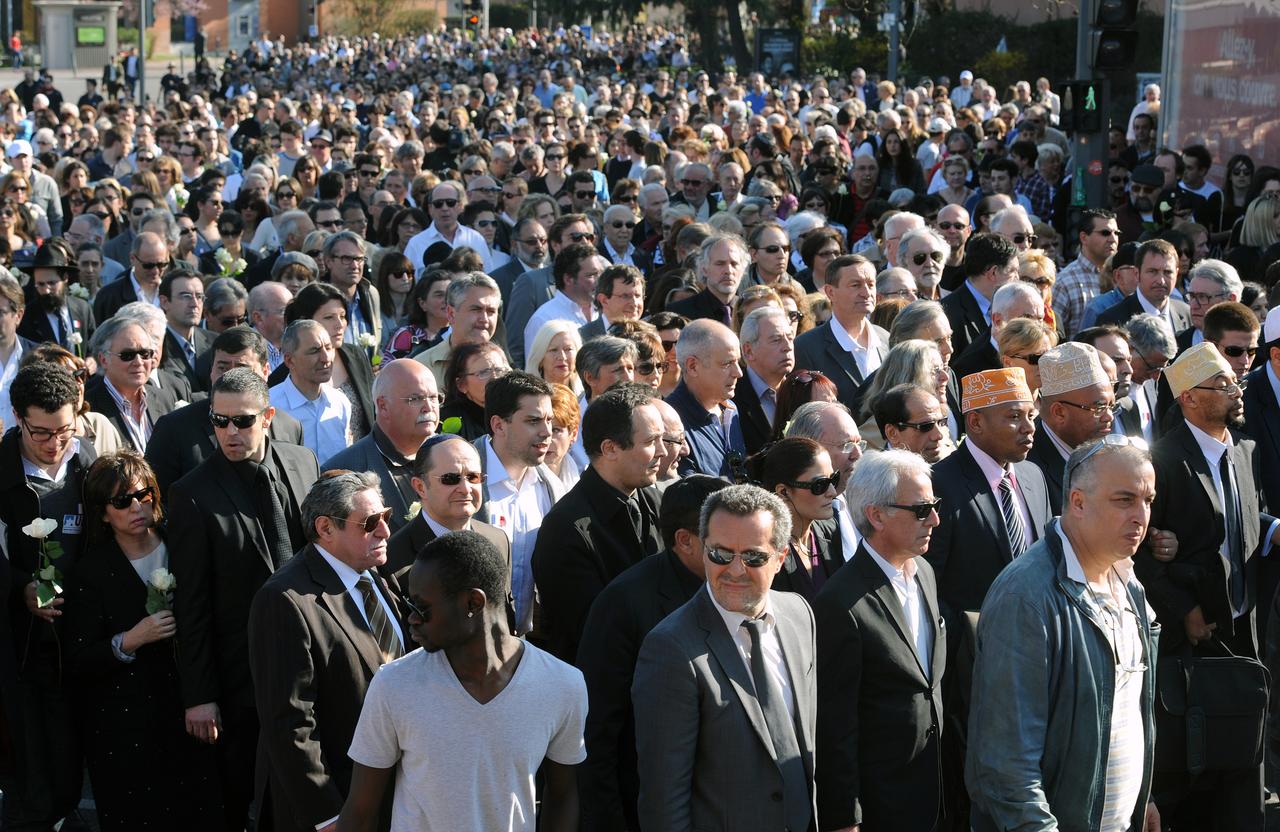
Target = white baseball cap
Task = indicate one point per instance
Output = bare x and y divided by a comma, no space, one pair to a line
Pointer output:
1271,327
966,75
18,148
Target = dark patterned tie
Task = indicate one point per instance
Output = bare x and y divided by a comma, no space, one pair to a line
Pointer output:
275,526
1012,520
379,623
1235,543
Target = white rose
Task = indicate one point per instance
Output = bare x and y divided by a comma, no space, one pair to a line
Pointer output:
40,528
414,508
239,266
222,256
367,340
74,339
163,580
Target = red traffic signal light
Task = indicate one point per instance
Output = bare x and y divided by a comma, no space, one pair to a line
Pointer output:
473,20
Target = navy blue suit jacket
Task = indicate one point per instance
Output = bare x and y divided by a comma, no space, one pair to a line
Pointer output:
709,453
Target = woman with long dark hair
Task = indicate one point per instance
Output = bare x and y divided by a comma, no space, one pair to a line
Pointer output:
898,165
470,369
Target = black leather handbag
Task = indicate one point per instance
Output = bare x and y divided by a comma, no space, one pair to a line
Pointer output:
1218,705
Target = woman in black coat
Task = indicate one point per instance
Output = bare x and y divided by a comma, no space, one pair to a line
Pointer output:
146,772
470,369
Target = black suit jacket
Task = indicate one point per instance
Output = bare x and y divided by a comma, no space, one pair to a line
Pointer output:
114,295
623,614
702,305
879,708
356,362
1187,504
1130,306
365,455
586,541
1262,423
35,324
220,558
795,577
970,546
505,277
978,356
592,330
819,350
176,361
184,438
160,403
968,324
1046,457
405,544
756,427
312,657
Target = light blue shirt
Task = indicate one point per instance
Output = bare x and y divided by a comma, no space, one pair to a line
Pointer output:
326,421
984,305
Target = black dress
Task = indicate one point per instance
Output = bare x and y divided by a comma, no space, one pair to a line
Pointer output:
145,770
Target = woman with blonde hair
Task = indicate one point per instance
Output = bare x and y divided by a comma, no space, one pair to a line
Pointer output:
1037,267
909,362
1021,343
169,174
553,354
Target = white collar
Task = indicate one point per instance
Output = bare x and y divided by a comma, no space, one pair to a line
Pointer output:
906,574
1209,446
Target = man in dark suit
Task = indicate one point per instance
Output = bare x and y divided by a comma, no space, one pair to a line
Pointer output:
994,502
1014,299
607,522
848,348
185,438
537,286
126,353
616,244
722,262
1233,328
52,315
725,688
528,253
622,615
148,260
768,354
1157,274
1076,406
1262,423
709,372
990,261
233,522
319,629
185,341
1207,493
408,408
619,295
881,655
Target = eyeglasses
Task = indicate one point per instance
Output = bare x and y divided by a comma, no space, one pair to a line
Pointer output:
584,194
1153,366
920,257
370,523
952,226
486,223
582,236
159,265
1025,239
623,224
146,159
242,422
81,375
753,558
1031,358
1204,298
21,189
489,373
1113,440
44,434
189,297
925,427
1237,351
648,368
1241,172
774,248
693,183
1231,389
1096,409
554,157
348,259
418,401
536,242
124,501
127,356
819,485
444,203
454,478
285,194
668,346
920,510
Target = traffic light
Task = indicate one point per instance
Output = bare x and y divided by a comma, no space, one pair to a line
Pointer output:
1083,106
473,21
1114,38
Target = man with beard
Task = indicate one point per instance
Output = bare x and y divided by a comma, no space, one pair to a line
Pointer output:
925,253
1206,492
1140,213
55,316
529,241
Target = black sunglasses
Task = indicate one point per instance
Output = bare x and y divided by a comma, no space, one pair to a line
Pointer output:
369,523
753,558
819,485
627,225
242,422
919,257
1033,359
920,510
123,501
454,478
444,203
128,356
925,427
1237,351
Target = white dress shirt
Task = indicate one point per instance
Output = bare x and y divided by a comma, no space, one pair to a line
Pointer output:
561,307
867,358
463,236
774,659
518,509
326,420
349,578
907,589
1150,309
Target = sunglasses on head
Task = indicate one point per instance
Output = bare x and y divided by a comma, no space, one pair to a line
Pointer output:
370,523
454,478
819,485
123,501
753,558
242,422
920,510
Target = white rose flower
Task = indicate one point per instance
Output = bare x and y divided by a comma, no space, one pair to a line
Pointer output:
163,580
239,266
367,340
414,508
222,256
40,528
75,339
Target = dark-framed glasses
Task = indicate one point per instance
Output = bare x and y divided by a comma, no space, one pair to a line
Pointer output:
242,421
920,510
124,501
819,485
453,478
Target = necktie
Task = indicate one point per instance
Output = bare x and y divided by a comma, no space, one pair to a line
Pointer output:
275,526
786,750
637,518
769,403
190,352
1012,520
379,623
1235,543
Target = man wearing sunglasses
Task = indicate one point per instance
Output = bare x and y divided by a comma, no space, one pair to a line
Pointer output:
44,465
312,660
149,258
725,689
234,521
865,656
924,253
911,419
1077,283
127,354
619,225
446,204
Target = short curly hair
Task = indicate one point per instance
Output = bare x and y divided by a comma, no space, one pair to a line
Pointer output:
45,385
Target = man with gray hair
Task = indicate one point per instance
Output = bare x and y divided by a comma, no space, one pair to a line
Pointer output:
1012,300
799,226
1209,283
653,201
445,205
725,689
1014,225
923,252
149,257
233,521
722,263
472,302
768,354
708,354
307,394
831,426
1153,348
344,255
896,283
880,683
225,301
694,180
618,246
127,352
312,668
292,228
895,228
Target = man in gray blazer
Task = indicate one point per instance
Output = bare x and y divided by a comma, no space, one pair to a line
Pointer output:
725,689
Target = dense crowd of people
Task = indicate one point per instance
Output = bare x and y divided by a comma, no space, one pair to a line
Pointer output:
743,453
